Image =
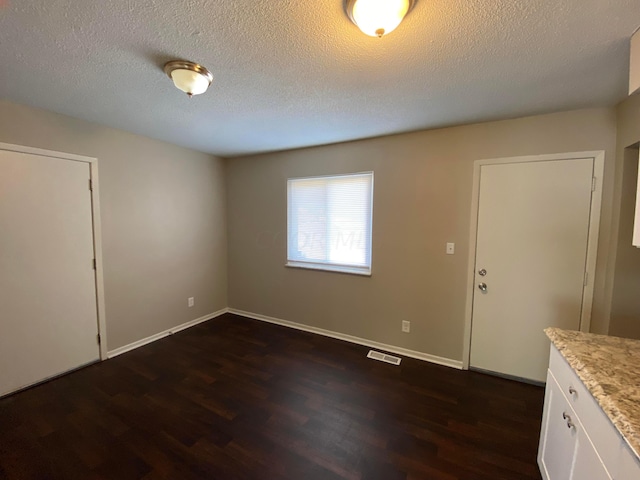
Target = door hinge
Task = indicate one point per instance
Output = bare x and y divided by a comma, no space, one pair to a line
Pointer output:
99,339
586,279
594,183
91,185
95,265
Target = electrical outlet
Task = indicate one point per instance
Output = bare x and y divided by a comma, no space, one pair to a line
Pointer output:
406,326
190,302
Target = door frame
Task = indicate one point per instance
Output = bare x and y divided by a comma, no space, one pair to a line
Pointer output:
96,228
592,239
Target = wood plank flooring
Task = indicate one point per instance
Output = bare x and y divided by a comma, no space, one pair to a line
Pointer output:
235,398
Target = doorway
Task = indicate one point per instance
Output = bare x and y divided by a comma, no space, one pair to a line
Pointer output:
534,250
51,289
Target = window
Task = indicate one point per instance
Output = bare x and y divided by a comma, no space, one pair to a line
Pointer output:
329,223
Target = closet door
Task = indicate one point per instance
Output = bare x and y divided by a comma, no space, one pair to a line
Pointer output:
48,312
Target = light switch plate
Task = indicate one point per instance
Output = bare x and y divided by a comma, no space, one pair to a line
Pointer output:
451,248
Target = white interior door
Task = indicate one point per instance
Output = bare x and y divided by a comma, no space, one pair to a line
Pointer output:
532,238
48,314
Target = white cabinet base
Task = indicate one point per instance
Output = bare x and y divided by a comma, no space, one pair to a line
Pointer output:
566,452
577,440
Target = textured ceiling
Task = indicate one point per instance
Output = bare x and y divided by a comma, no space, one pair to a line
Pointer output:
291,73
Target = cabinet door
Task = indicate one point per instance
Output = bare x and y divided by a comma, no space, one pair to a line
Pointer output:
629,465
586,463
558,441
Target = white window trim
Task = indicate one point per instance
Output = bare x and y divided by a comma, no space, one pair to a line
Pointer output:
330,267
365,271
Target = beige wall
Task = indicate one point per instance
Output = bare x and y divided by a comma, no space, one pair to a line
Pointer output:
422,200
163,220
625,307
164,215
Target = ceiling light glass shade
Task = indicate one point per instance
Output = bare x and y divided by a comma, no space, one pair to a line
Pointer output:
191,78
378,17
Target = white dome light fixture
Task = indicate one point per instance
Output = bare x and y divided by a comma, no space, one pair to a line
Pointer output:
191,78
377,18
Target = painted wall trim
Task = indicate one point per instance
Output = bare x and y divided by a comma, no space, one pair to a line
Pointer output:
166,333
447,362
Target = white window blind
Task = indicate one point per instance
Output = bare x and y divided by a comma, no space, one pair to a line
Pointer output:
329,222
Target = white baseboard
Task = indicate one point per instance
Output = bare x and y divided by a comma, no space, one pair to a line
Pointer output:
447,362
166,333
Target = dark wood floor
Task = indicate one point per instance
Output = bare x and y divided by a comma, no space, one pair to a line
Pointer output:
239,399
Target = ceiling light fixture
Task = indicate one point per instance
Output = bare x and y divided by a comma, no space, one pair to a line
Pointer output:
378,17
191,78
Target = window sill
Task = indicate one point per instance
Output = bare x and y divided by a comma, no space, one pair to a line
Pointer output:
362,271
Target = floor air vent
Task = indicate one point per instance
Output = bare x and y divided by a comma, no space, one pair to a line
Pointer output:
383,357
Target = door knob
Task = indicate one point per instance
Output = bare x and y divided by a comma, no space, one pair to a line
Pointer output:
482,287
568,419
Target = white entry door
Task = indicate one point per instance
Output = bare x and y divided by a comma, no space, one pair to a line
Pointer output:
531,259
48,314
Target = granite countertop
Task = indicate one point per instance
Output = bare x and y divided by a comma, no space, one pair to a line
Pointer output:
610,369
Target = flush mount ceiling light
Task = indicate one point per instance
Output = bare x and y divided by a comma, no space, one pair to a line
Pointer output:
191,78
378,17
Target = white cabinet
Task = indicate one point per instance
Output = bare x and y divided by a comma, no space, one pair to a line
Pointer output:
586,461
628,466
557,442
566,452
578,441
